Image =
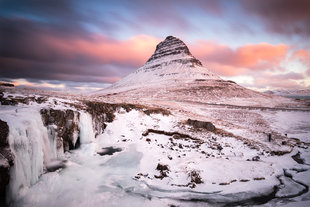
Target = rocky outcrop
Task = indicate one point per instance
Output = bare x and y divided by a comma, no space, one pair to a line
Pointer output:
10,100
163,170
6,160
62,125
201,124
102,112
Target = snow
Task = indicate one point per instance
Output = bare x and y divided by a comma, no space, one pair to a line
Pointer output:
295,124
82,177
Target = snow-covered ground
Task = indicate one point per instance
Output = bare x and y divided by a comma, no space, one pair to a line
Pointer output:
235,165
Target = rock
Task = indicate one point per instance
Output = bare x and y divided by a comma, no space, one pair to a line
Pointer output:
4,132
55,165
201,124
219,147
67,129
108,151
244,180
6,160
173,46
298,159
255,158
163,169
259,178
195,177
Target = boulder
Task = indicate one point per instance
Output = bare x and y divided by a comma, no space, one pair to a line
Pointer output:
201,124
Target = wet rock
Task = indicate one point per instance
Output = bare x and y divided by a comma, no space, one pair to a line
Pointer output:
298,159
4,132
67,127
6,160
108,151
55,165
201,124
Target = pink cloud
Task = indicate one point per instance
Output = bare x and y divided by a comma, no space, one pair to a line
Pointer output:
135,50
303,56
229,62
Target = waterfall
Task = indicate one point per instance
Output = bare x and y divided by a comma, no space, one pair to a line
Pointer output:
31,146
35,146
86,128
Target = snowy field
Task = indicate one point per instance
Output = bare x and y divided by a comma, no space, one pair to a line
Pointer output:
159,160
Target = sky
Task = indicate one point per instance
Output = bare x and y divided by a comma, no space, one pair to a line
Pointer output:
80,45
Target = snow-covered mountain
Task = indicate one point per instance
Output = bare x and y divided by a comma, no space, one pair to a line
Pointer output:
173,73
171,63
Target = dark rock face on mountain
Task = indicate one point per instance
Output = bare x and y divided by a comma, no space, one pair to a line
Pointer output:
171,47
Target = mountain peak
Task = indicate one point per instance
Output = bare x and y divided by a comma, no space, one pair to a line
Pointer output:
175,49
171,65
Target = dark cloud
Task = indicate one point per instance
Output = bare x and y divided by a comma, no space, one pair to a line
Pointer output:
285,17
31,49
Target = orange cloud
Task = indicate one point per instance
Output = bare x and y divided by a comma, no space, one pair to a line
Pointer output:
228,62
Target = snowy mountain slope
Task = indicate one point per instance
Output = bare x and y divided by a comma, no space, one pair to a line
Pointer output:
172,72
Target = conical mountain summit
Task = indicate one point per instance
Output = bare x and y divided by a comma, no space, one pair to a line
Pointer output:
175,49
170,64
173,73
